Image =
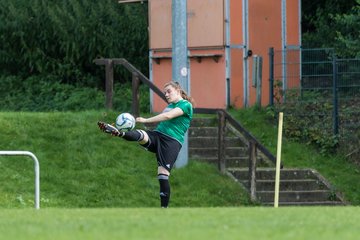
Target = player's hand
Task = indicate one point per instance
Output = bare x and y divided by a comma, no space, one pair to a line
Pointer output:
140,120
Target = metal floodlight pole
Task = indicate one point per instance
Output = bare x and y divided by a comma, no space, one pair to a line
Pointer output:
180,69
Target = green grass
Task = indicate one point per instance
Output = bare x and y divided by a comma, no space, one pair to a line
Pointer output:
94,186
182,223
342,174
81,167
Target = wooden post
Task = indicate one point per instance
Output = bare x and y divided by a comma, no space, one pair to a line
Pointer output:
221,142
109,83
252,170
135,95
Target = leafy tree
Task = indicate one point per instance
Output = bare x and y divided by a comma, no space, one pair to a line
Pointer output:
63,38
348,32
321,22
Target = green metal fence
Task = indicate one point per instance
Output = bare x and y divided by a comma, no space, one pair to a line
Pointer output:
326,88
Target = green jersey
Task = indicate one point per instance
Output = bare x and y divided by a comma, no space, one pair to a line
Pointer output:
177,127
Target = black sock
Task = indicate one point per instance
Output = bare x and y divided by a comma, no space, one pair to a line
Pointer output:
133,135
164,190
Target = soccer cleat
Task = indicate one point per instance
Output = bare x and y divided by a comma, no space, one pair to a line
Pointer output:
108,128
116,133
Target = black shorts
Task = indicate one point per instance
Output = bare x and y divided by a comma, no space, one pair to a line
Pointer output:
166,148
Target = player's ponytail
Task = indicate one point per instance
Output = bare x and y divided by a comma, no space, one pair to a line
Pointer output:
184,95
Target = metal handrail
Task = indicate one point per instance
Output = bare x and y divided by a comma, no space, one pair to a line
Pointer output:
132,69
240,128
36,168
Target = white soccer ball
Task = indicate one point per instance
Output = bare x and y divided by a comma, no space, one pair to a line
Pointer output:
125,122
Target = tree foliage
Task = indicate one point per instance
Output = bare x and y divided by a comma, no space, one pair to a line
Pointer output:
348,33
63,38
332,23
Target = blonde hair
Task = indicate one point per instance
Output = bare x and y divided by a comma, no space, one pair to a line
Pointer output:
177,86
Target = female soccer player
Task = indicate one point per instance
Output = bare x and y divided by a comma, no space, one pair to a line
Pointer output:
167,138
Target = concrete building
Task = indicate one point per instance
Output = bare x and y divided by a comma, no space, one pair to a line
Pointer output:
223,38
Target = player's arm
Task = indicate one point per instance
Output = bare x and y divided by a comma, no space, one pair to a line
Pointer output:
173,113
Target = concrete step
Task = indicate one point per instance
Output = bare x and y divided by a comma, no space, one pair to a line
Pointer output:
204,122
297,196
314,203
212,141
297,186
195,122
289,185
269,174
230,161
213,152
240,162
203,132
205,142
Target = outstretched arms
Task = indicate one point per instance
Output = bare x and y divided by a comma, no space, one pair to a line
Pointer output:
173,113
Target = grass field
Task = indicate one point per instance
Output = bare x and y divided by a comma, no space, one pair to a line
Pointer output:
82,167
182,223
96,187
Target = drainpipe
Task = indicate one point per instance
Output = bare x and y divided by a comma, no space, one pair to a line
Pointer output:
227,53
245,15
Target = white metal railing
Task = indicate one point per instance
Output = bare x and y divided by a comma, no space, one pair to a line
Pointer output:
36,168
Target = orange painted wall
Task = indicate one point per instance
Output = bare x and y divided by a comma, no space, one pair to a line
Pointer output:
205,23
208,80
206,35
237,59
293,68
207,85
236,81
264,32
159,24
161,74
293,38
293,25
